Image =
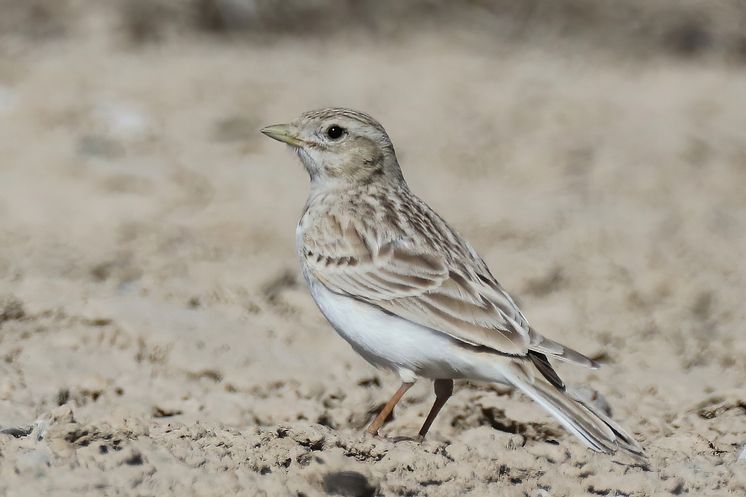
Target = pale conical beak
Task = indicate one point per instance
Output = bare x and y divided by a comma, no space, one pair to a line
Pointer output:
286,133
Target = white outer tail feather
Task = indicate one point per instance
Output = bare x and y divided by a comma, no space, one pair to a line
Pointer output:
581,418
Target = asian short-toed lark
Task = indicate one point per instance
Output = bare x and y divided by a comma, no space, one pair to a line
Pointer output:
407,292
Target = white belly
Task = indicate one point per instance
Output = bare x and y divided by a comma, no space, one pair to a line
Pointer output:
394,343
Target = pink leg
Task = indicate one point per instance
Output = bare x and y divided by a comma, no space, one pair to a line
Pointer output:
378,422
443,391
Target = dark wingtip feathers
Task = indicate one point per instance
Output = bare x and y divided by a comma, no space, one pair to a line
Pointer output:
545,368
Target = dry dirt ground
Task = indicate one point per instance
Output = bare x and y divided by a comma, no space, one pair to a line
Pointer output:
155,338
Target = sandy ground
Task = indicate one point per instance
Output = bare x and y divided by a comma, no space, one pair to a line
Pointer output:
155,337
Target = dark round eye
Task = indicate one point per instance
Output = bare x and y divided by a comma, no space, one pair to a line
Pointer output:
335,132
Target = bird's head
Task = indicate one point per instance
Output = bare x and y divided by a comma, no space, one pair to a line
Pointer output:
340,147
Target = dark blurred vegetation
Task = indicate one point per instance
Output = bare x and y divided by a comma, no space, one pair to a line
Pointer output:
682,28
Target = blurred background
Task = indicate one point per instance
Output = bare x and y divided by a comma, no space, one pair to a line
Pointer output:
593,151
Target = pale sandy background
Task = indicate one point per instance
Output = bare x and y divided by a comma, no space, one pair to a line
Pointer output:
155,338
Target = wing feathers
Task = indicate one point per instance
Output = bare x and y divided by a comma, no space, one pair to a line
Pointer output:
418,285
413,278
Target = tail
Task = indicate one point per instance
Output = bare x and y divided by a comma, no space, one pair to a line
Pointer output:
580,417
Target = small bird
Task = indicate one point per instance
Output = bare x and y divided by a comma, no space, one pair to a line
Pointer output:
407,292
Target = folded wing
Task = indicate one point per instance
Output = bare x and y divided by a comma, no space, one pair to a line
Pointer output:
419,284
